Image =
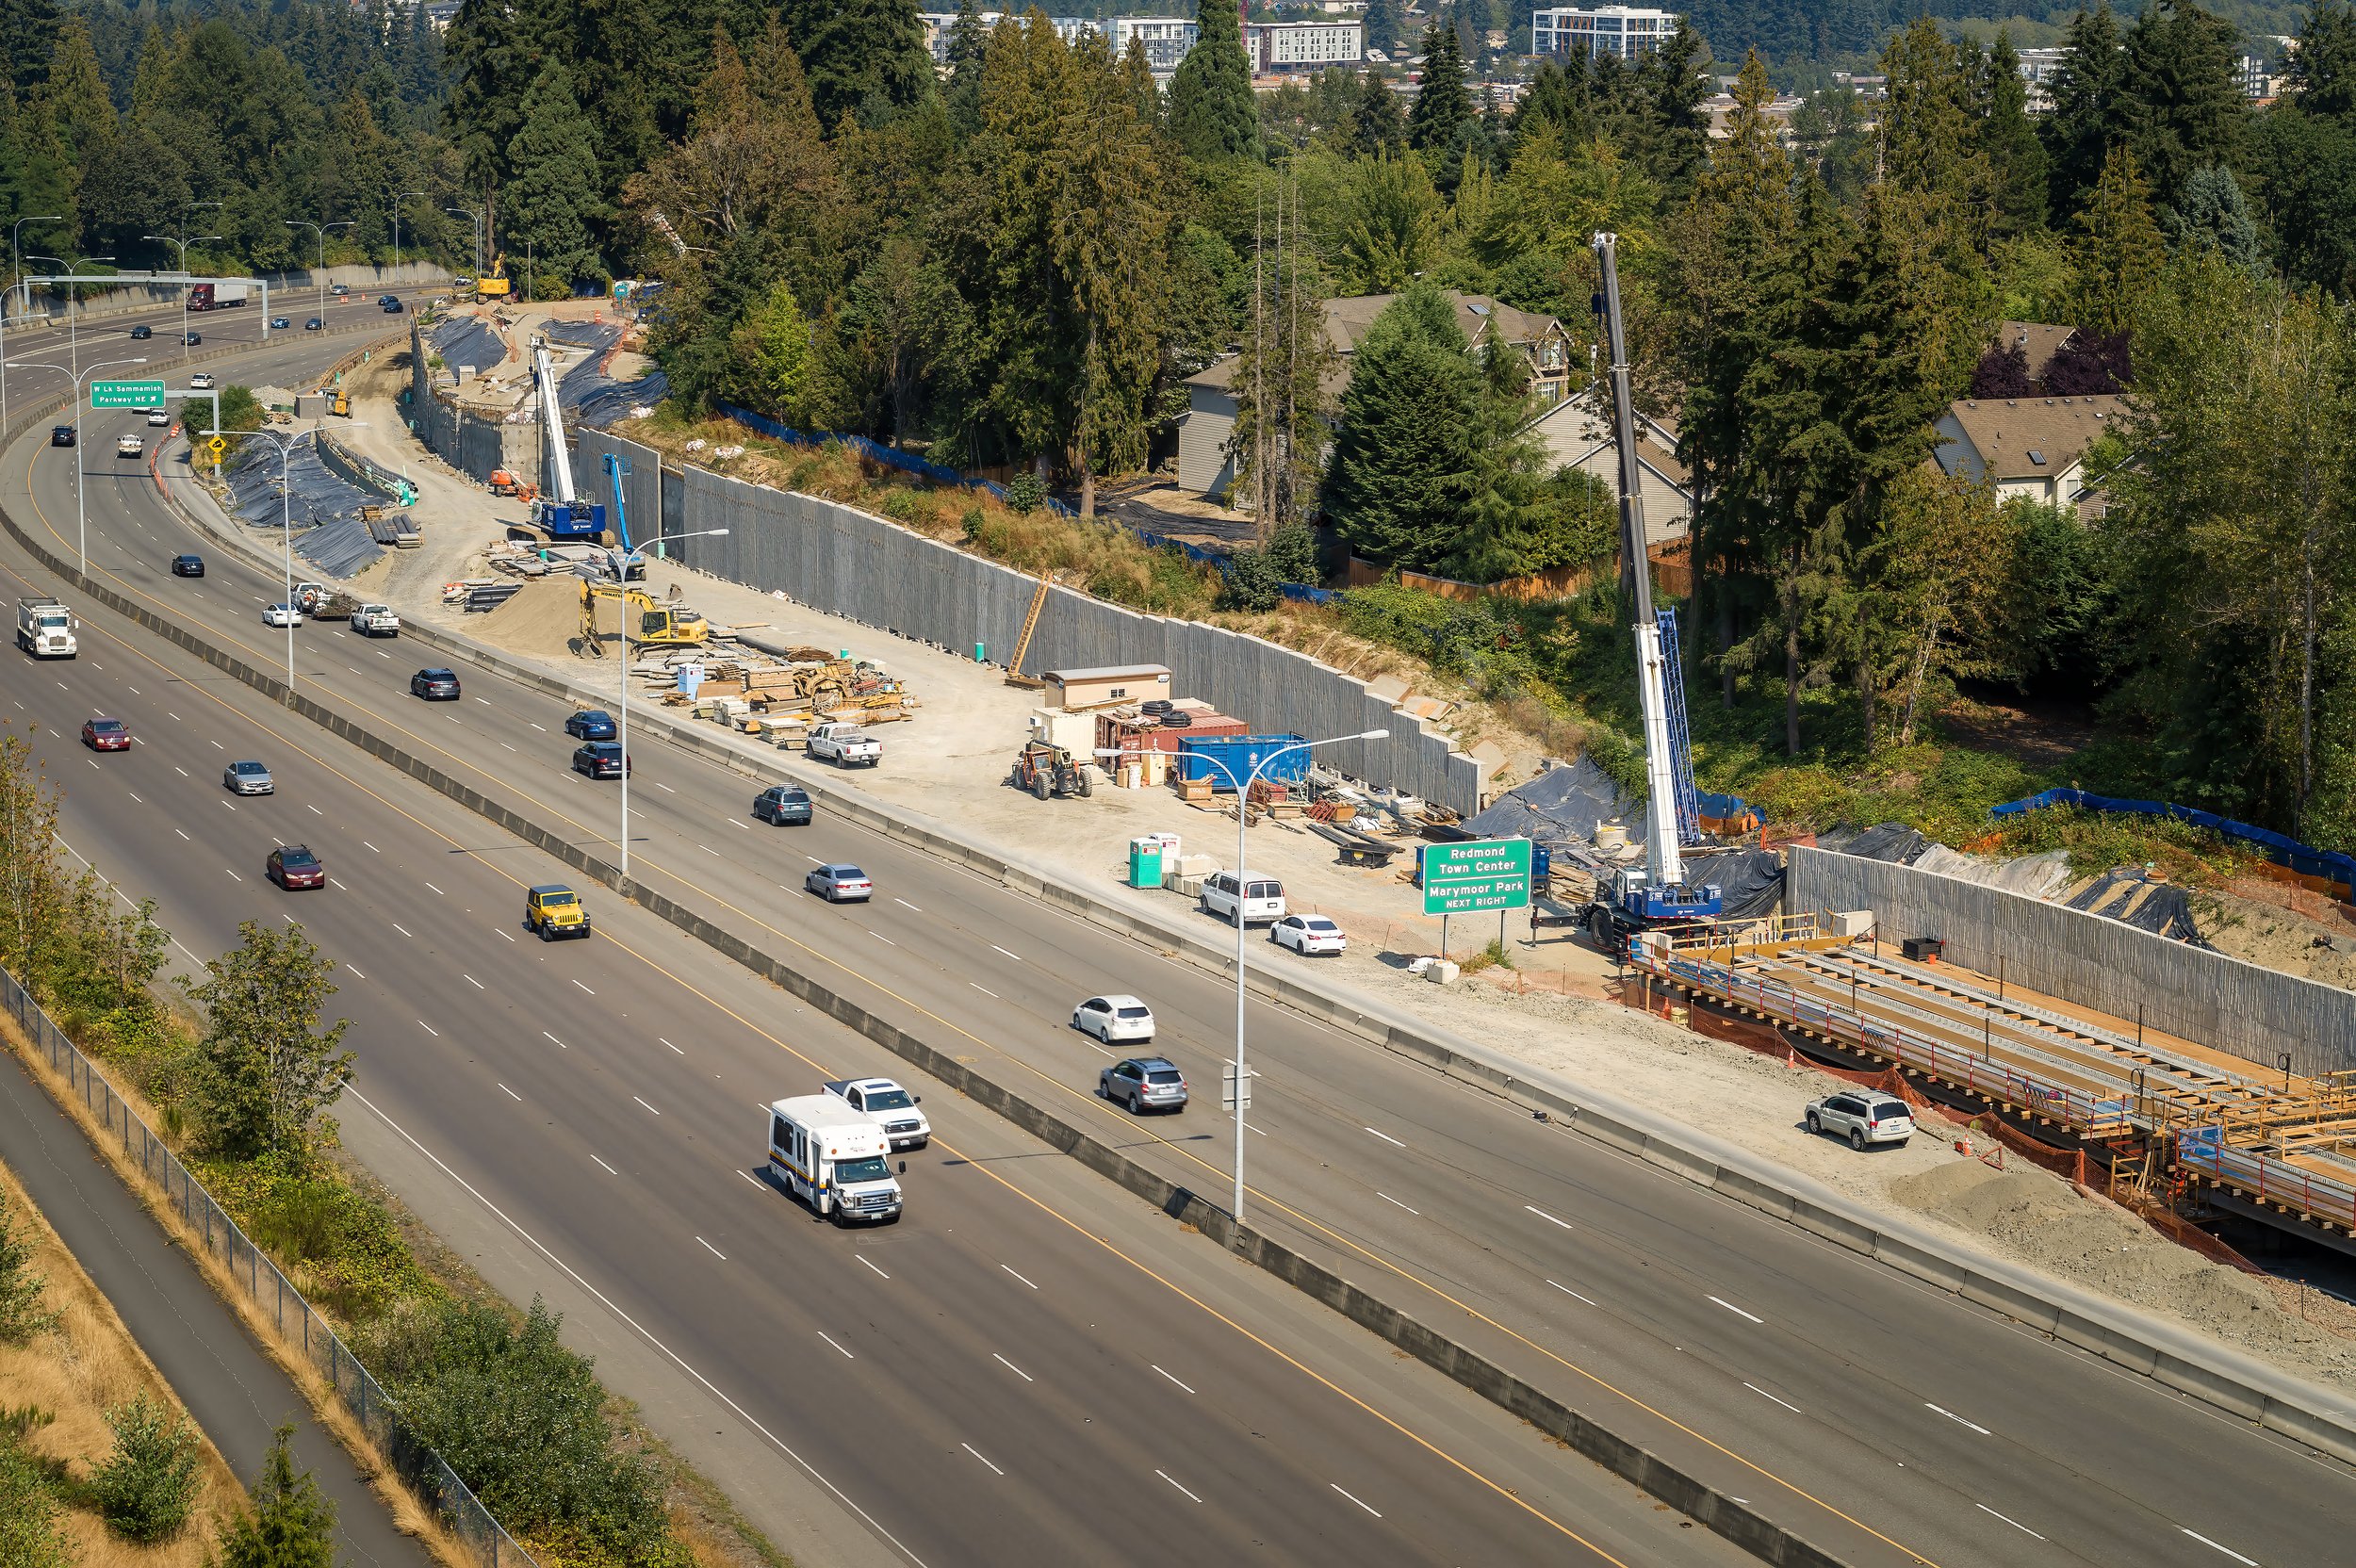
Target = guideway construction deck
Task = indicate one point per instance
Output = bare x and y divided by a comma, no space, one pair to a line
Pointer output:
2283,1145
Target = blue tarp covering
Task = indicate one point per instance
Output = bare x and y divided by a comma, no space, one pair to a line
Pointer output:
2303,859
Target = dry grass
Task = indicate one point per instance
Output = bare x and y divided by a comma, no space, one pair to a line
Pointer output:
76,1371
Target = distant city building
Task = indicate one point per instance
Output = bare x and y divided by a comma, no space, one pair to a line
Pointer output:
2039,67
1625,32
1167,39
1279,47
2256,77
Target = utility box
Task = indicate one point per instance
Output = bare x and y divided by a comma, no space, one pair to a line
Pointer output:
1852,923
1145,862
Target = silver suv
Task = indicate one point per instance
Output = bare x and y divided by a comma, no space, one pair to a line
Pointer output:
1862,1117
1144,1084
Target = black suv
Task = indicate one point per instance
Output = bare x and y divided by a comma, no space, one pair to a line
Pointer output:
783,804
61,436
600,760
142,330
187,565
435,685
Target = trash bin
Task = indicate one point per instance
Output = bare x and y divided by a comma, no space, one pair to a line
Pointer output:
1923,950
1145,862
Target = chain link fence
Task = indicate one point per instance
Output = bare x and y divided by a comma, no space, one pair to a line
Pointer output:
298,1324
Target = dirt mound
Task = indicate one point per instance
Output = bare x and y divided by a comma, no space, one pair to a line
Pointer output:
544,618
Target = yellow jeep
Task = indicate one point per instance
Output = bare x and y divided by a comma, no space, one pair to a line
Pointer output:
555,911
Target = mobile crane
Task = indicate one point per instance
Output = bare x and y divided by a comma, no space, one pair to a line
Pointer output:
561,514
1657,894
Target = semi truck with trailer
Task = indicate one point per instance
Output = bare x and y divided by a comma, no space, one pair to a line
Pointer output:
219,296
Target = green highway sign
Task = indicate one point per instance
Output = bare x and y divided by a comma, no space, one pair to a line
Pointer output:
126,394
1480,873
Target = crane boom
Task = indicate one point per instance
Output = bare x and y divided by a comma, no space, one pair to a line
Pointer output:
561,513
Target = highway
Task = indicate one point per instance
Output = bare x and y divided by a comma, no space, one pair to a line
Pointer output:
1028,1367
1881,1420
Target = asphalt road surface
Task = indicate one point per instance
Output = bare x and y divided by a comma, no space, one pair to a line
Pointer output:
1883,1421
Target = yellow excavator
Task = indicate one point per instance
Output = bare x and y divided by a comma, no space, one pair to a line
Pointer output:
660,626
498,286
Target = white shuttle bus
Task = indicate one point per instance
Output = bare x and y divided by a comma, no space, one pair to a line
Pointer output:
834,1158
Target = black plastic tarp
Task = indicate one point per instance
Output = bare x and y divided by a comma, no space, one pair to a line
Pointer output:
1561,806
1750,881
1891,841
322,509
2128,895
467,341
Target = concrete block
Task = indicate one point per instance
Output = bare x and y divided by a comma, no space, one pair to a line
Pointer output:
1183,884
1444,972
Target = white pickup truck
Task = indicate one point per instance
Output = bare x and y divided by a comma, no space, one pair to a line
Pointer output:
376,620
888,1104
845,746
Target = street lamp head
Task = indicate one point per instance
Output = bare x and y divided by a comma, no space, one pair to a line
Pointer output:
1373,735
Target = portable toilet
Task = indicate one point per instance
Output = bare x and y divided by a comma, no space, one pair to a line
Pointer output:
1145,861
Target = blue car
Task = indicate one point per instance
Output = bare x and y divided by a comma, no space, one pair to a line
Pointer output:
592,724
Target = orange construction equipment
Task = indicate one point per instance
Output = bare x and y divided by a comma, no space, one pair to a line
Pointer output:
502,483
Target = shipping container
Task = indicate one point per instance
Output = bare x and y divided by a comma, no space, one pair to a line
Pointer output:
1226,760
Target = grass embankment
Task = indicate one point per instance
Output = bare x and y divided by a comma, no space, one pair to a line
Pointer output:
1552,679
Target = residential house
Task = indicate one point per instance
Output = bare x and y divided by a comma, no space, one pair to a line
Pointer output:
2038,342
1206,468
2030,448
1577,432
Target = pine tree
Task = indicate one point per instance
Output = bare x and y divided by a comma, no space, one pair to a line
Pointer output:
1281,407
552,185
1441,124
1382,29
2213,217
1557,96
772,358
489,49
75,94
1211,113
28,31
2189,110
2323,67
864,57
1375,127
2118,251
1406,457
1926,121
2015,158
1668,132
288,1524
2092,110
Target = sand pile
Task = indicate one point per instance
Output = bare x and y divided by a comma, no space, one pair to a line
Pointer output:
544,618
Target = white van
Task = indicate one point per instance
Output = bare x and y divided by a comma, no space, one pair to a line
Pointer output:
834,1158
1261,898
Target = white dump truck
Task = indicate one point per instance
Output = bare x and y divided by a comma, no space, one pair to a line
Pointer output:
46,629
834,1158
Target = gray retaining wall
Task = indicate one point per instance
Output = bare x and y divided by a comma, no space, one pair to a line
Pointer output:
463,437
2257,1014
847,563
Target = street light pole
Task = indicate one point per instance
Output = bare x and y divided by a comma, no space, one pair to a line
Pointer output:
398,196
1243,817
16,265
319,278
622,726
81,512
184,288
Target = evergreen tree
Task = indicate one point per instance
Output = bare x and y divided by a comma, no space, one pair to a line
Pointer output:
2188,108
1406,456
1212,116
28,31
1926,117
2305,166
773,359
288,1524
1442,125
266,1073
552,188
1557,96
1382,29
1666,129
1376,128
863,56
1282,409
2118,250
2092,110
75,94
2018,168
490,50
2323,69
2213,217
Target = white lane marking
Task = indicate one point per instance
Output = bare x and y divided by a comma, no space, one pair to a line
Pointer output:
485,702
1165,1475
1337,1486
1550,1218
829,1339
2207,1541
1009,1269
313,810
870,1266
1385,1136
713,1251
609,1169
372,849
673,1047
1740,1313
708,850
1388,1199
333,883
355,973
233,874
135,796
167,713
985,990
382,654
181,771
816,861
1797,1411
1016,957
738,826
584,988
2025,1529
398,926
1173,1379
437,889
886,940
231,804
512,1094
668,790
1975,1427
511,748
905,904
535,727
429,1029
475,983
509,937
1011,1367
643,1103
184,835
552,1040
977,1454
218,746
91,760
1569,1291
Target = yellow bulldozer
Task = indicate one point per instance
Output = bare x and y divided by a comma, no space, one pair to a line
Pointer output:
660,625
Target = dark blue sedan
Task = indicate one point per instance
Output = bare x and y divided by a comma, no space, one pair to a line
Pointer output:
592,724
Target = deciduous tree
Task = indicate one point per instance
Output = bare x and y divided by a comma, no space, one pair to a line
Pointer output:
267,1069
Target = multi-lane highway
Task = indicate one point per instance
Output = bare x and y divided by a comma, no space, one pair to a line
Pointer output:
1881,1420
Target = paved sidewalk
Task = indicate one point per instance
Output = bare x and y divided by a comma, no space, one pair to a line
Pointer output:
231,1390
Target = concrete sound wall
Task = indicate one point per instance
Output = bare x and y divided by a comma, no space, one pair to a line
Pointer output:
849,563
2257,1014
462,437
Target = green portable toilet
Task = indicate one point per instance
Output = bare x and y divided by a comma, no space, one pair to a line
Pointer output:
1145,862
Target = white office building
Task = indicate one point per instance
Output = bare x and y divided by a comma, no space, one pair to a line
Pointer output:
1167,39
1621,30
1282,48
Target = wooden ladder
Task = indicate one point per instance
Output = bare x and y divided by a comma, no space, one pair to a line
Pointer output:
1023,644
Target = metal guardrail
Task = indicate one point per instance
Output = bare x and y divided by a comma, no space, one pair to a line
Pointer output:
298,1324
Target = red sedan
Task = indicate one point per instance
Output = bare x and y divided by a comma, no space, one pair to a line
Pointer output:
294,866
105,735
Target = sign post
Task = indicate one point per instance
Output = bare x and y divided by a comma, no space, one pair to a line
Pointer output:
126,394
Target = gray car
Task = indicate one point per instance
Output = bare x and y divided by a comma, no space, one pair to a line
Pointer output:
248,778
1144,1084
836,882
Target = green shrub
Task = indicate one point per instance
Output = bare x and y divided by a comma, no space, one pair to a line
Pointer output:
146,1487
973,523
21,1313
1251,583
1028,493
288,1524
32,1528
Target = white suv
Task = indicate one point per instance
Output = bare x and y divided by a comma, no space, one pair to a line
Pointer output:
1115,1018
1260,899
1863,1117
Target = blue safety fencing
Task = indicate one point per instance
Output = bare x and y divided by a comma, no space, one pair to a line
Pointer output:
1299,591
2303,859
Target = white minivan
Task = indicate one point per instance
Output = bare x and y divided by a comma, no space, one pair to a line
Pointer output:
1261,899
